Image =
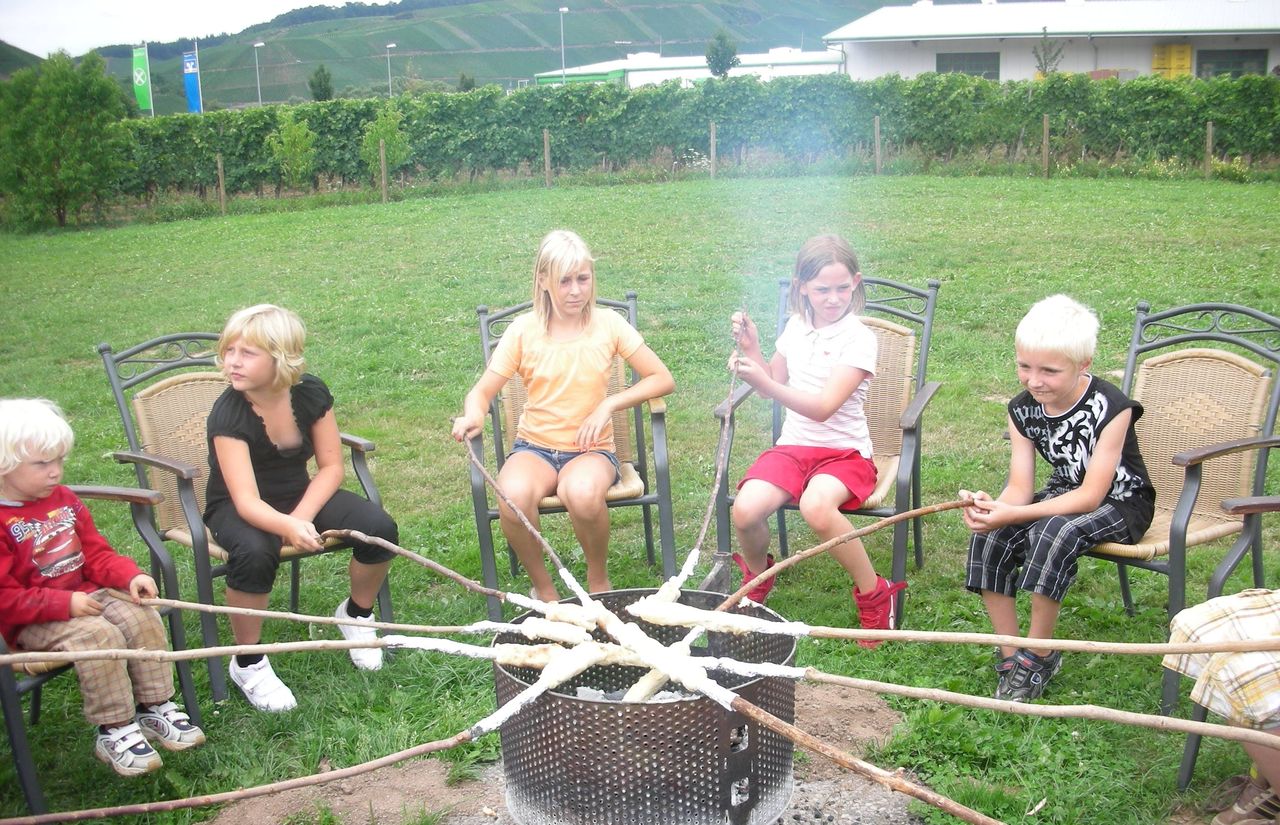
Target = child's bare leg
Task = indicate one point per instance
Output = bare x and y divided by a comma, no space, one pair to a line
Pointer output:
1003,611
1044,618
820,506
247,630
1267,760
756,502
526,479
582,486
366,581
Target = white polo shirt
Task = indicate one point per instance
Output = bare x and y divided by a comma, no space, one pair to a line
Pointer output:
811,355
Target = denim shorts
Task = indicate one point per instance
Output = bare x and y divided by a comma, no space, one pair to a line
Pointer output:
558,458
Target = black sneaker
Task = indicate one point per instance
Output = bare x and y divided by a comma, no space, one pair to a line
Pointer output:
1027,677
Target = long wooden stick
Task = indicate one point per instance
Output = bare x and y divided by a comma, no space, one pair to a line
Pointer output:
244,793
894,781
1093,712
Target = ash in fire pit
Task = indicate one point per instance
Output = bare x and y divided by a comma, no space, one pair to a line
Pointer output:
581,761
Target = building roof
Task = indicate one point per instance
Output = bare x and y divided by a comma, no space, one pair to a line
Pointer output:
1065,18
651,61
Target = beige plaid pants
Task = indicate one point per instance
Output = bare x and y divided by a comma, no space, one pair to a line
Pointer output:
110,689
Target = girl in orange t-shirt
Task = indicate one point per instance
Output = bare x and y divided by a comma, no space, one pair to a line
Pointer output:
562,350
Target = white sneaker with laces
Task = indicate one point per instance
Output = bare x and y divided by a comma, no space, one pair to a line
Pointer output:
262,687
126,750
367,658
171,728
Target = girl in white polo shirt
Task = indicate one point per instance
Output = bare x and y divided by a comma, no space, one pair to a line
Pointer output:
820,370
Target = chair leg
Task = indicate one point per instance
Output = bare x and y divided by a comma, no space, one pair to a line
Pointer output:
1191,750
178,639
209,638
295,580
385,612
37,695
18,744
782,534
648,535
917,525
1169,692
1126,595
488,565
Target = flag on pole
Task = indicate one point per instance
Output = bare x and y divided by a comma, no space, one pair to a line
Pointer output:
142,79
191,79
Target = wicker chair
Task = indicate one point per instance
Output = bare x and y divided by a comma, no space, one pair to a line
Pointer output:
164,391
901,317
29,679
635,488
1209,413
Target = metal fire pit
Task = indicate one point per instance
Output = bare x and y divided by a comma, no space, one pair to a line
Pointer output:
572,761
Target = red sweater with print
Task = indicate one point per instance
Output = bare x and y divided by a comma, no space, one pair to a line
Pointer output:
49,550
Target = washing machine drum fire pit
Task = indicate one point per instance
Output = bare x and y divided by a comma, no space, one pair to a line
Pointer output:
686,760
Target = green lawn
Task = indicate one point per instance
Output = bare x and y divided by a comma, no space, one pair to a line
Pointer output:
389,295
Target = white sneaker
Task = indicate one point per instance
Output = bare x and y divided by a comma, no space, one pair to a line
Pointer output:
126,750
366,658
171,728
262,687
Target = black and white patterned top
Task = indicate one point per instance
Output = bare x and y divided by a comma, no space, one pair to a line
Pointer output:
1067,442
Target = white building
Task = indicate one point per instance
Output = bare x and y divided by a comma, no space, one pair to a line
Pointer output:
647,67
1120,38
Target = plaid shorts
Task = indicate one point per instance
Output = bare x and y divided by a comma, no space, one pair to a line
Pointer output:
1244,688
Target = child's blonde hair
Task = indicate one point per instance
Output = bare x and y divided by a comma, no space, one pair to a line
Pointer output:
1060,325
31,428
818,252
561,251
274,329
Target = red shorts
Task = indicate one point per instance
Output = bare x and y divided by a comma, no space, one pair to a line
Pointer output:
790,468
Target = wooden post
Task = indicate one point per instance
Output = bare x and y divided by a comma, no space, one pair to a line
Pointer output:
222,187
546,157
382,162
713,149
877,131
1208,150
1044,147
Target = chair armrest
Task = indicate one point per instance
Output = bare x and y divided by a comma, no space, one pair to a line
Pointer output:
724,408
132,495
181,469
911,415
1252,504
357,443
657,406
1202,454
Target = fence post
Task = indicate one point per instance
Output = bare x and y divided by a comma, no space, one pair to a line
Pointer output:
382,162
1208,150
546,157
222,188
713,149
1044,147
877,131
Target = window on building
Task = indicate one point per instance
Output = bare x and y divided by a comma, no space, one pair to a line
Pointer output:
1230,62
982,64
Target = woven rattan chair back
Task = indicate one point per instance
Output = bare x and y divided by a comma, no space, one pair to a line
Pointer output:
890,389
171,416
1194,398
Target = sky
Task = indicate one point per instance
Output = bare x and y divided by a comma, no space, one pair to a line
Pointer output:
44,26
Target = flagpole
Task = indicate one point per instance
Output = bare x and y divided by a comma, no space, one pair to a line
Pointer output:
151,89
199,88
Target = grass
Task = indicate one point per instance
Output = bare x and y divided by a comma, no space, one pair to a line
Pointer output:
389,294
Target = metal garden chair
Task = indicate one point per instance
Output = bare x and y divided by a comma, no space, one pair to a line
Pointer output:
1205,375
29,679
164,390
635,488
901,316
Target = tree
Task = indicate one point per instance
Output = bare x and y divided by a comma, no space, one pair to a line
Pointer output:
722,54
1048,53
465,82
321,84
385,127
293,146
62,142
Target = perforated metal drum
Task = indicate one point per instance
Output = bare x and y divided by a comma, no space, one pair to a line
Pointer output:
574,761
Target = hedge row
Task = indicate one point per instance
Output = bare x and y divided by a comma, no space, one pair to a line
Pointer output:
801,119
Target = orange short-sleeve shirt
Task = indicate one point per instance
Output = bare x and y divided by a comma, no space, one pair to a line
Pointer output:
565,380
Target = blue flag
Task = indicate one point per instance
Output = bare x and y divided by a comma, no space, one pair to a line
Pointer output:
191,78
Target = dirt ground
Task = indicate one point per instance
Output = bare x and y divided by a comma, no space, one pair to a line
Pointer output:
845,718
